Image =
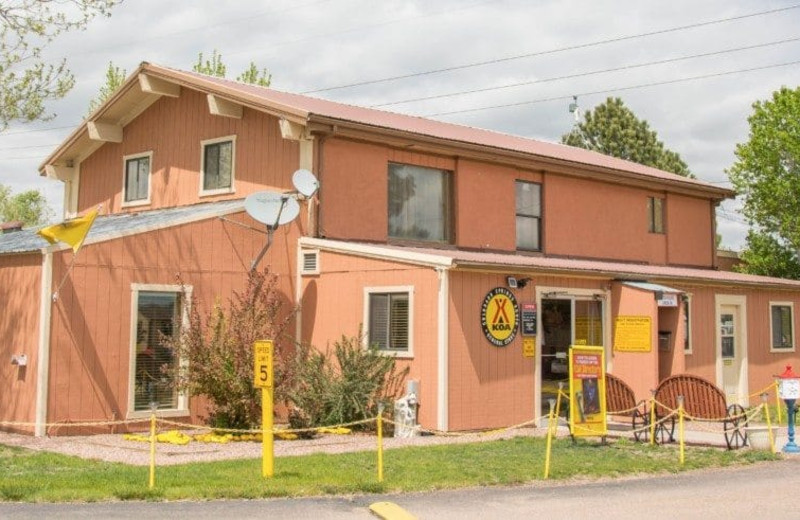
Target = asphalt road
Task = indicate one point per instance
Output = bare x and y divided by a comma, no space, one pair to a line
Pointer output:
766,491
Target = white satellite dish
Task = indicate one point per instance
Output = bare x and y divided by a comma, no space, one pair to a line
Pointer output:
271,208
305,182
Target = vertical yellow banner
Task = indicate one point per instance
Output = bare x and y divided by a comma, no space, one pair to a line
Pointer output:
587,391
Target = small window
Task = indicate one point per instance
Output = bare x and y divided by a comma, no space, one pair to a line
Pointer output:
389,320
782,326
655,214
420,203
157,316
136,179
218,165
529,215
687,325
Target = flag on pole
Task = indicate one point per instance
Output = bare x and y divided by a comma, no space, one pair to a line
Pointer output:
72,232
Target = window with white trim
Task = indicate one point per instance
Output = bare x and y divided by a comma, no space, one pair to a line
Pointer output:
782,326
136,179
218,165
389,326
157,315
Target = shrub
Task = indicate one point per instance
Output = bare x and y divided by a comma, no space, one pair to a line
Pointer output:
341,386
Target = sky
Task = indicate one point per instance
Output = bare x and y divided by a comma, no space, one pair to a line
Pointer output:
691,69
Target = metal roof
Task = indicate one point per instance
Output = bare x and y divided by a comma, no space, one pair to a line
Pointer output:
107,227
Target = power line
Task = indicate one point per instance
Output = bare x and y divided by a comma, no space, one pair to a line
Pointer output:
584,74
552,51
617,89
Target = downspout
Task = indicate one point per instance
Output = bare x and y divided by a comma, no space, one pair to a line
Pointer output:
442,339
43,357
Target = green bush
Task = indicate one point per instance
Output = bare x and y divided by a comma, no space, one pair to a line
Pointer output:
341,386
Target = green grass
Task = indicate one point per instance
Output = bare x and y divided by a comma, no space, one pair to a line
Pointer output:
45,477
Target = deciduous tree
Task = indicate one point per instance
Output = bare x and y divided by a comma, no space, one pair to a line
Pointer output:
114,79
30,207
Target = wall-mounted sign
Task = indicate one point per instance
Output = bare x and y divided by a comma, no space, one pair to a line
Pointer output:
587,391
528,323
529,347
499,316
668,300
633,334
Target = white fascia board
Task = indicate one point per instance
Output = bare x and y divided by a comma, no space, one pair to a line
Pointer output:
376,251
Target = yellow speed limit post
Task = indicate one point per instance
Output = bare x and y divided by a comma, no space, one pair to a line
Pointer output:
263,379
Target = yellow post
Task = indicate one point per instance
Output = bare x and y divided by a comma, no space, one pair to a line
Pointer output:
380,442
267,440
764,398
152,451
778,402
653,418
549,439
680,427
558,401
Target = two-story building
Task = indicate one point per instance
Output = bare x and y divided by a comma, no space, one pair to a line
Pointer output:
476,258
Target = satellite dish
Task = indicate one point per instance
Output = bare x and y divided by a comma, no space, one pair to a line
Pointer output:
271,208
305,182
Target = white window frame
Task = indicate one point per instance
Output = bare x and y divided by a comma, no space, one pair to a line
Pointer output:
207,142
125,159
182,410
779,350
400,289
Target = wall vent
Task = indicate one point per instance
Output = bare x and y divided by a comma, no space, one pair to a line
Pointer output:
310,262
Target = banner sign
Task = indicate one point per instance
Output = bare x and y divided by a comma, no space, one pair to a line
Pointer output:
499,316
633,334
587,391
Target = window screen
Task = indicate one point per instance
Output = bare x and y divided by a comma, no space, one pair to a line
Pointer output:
218,165
158,318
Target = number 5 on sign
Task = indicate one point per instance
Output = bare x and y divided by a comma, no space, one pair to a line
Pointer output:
262,364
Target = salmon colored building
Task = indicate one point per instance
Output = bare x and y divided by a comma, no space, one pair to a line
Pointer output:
475,258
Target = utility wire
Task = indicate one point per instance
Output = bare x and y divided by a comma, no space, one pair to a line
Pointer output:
552,51
617,89
584,74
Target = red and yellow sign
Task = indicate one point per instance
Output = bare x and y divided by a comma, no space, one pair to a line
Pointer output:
587,391
500,316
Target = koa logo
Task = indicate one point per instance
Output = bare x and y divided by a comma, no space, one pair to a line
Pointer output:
499,316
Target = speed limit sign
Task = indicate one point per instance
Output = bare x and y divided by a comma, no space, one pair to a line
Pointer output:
262,363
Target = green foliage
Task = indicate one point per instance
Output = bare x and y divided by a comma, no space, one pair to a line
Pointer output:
613,129
341,386
30,207
254,76
28,26
114,79
212,67
767,176
216,351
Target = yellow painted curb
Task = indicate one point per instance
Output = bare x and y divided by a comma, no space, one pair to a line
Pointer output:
390,511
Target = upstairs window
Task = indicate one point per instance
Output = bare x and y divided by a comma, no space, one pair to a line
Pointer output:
419,203
218,165
529,215
389,319
655,214
136,179
782,325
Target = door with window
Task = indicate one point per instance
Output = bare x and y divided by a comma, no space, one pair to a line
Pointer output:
732,351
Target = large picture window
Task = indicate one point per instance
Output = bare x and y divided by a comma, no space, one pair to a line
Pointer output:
218,165
137,179
782,321
529,215
419,203
389,319
157,313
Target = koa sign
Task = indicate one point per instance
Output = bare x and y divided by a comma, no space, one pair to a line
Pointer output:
500,316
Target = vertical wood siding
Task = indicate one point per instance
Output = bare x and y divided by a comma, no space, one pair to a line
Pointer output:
20,282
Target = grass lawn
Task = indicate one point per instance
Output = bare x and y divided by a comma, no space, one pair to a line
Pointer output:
45,477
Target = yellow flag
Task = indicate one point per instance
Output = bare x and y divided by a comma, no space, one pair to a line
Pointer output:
71,232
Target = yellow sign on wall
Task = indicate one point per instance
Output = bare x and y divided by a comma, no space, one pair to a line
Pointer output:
499,316
633,334
262,363
587,391
529,347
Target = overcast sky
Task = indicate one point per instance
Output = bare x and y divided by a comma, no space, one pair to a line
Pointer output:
309,45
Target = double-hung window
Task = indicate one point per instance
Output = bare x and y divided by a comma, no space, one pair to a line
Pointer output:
655,215
420,203
157,315
529,215
218,165
782,326
136,179
389,312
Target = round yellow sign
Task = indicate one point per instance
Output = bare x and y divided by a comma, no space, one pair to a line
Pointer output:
500,316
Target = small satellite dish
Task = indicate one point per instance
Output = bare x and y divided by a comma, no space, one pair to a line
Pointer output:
271,208
305,182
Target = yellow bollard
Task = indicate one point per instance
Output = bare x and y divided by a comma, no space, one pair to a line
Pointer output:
549,439
380,442
152,451
680,427
778,402
558,401
267,435
653,418
764,398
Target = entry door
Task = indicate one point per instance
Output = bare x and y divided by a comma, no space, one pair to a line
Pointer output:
731,351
